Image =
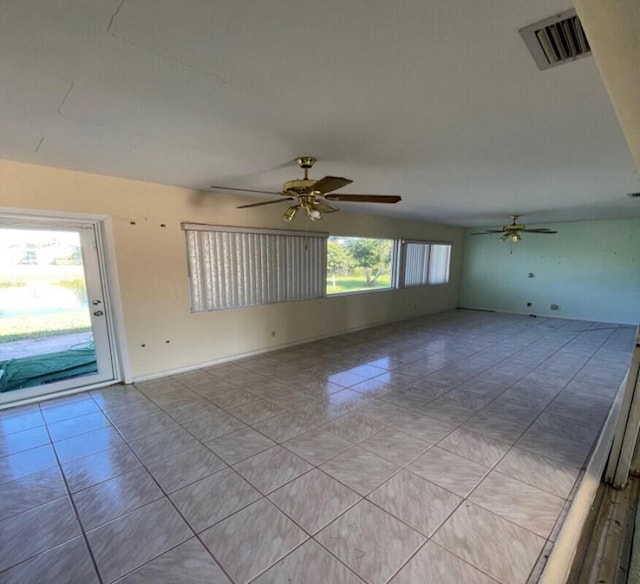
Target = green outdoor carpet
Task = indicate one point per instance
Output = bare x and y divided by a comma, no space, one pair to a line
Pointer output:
41,369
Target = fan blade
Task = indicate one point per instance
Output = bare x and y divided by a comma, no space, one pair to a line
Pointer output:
265,203
364,198
325,207
330,183
488,231
244,190
541,230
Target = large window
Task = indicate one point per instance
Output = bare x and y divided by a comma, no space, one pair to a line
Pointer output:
233,267
424,263
358,264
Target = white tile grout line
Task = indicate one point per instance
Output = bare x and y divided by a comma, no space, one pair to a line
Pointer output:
575,335
559,562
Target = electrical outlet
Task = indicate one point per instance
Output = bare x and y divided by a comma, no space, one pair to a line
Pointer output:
554,307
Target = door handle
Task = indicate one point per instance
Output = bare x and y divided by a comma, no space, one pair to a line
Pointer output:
96,302
98,313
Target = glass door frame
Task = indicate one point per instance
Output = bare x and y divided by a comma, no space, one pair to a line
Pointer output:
101,229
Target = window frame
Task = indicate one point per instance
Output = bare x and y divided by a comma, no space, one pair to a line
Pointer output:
393,282
402,264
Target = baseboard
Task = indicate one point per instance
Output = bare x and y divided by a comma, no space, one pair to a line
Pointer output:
559,316
272,349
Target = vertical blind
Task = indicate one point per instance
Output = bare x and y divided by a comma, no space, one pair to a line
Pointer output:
426,263
231,267
439,264
416,266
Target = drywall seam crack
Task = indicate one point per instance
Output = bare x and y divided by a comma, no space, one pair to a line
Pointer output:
156,53
64,99
114,16
39,143
60,109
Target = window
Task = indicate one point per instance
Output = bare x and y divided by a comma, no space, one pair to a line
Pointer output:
358,264
425,263
233,267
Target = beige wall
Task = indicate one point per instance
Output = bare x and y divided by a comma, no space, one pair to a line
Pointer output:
152,271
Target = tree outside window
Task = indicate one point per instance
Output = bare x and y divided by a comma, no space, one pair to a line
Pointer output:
356,264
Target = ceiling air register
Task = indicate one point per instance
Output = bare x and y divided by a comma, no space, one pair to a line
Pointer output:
556,40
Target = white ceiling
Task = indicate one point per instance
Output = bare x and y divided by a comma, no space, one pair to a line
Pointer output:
438,101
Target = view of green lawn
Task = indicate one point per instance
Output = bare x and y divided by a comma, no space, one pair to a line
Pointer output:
37,326
356,264
354,283
42,289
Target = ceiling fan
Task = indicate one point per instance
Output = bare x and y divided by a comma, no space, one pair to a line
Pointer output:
312,196
512,231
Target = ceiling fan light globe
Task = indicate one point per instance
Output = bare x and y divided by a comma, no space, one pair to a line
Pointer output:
516,237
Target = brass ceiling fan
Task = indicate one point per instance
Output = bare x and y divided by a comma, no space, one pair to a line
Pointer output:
512,231
311,195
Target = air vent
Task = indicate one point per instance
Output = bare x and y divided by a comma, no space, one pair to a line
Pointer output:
556,40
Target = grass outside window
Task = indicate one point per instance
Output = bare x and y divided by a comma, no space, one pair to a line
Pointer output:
358,264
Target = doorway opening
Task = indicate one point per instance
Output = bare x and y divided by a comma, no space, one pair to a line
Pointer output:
56,331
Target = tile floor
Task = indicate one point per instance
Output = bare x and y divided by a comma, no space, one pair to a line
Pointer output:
439,450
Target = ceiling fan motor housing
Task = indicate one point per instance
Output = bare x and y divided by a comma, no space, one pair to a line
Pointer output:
300,186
